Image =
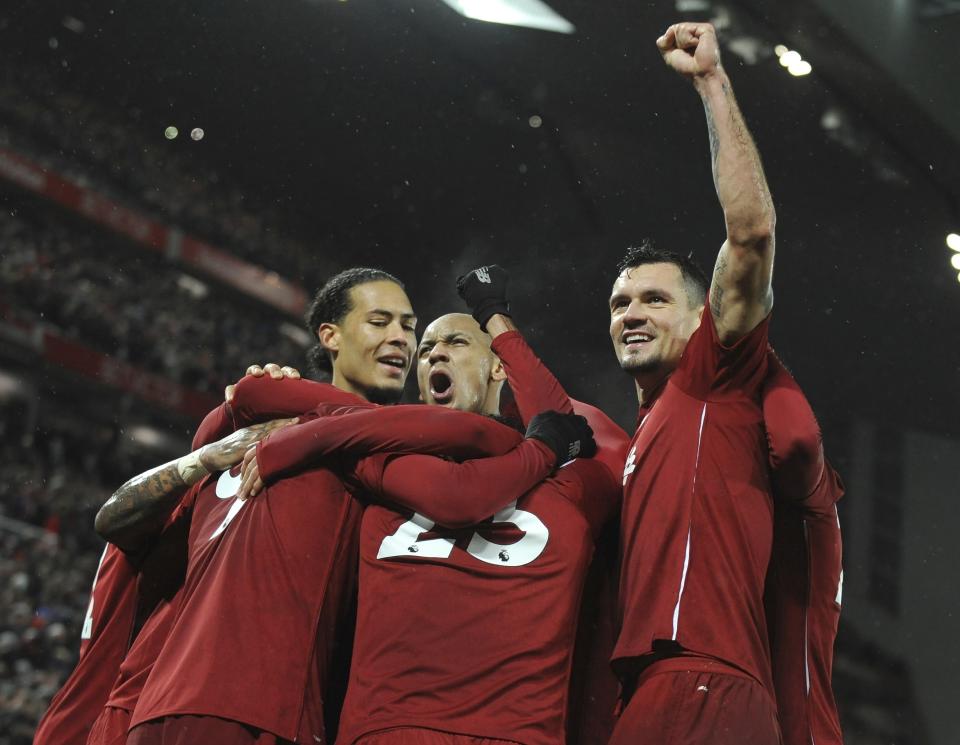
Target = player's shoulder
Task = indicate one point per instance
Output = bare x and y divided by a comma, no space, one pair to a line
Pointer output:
583,473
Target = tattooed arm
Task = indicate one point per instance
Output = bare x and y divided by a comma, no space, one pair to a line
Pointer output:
139,508
740,294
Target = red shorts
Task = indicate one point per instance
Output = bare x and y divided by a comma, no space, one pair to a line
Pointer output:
696,701
110,728
191,730
423,736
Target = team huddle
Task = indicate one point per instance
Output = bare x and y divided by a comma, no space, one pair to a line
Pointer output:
328,566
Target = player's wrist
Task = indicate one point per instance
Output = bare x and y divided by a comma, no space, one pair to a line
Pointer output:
191,468
713,82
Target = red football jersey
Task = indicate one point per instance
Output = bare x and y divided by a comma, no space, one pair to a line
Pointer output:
280,568
104,639
262,595
451,665
159,585
697,518
804,582
471,630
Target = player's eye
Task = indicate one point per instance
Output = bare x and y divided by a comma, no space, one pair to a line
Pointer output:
423,351
656,299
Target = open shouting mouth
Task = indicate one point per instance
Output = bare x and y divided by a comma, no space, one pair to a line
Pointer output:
441,387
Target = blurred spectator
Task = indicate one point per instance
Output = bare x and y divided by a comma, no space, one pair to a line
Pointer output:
131,305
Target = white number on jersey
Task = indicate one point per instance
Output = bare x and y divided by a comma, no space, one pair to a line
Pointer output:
87,631
631,465
227,486
404,541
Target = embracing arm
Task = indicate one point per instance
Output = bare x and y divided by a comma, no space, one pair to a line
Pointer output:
412,428
456,494
139,508
740,293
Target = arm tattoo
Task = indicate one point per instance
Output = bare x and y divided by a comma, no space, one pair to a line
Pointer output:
716,287
137,507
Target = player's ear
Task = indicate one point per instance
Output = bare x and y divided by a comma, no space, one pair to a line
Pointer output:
329,336
497,373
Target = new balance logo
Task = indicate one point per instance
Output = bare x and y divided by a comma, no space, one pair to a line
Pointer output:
574,450
483,275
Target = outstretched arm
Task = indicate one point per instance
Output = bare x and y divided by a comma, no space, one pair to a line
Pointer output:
139,508
740,293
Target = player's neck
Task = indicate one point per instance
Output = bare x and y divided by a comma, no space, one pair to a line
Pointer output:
649,386
339,381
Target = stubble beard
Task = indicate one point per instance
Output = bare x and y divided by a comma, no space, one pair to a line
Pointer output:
384,396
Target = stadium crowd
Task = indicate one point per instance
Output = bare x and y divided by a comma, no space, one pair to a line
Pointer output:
110,151
129,304
52,487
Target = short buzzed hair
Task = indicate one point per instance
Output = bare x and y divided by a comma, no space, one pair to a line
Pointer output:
694,280
331,304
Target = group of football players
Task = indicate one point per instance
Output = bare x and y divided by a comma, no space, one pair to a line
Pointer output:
324,567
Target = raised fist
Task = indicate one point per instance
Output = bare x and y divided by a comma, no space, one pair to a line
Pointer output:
484,290
691,49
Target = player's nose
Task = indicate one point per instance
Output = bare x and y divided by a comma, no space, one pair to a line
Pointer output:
397,335
438,353
635,315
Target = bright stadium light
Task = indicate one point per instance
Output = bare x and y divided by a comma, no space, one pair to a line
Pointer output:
953,241
528,13
955,261
780,50
790,58
800,68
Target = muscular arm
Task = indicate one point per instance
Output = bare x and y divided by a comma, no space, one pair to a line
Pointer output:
456,494
138,509
740,293
401,429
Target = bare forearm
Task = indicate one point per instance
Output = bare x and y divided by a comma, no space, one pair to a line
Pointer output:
737,171
139,508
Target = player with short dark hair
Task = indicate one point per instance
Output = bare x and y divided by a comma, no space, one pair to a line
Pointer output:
331,306
697,517
805,578
465,627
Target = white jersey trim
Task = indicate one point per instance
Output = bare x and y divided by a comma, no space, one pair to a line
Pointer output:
686,553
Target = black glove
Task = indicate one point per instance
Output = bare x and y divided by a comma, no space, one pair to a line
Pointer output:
567,435
485,291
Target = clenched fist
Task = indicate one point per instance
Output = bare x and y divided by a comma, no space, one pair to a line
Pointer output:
691,49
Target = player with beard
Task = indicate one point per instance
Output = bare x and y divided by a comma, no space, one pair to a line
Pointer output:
697,520
493,666
279,570
805,578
